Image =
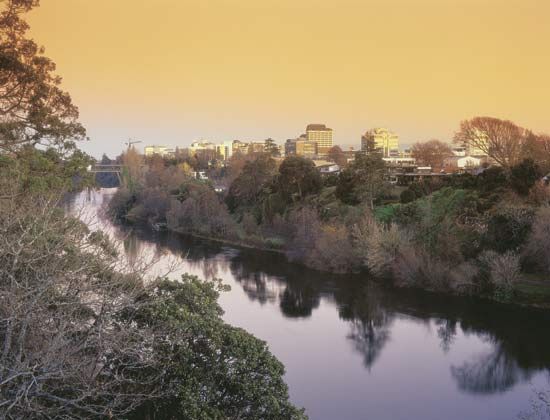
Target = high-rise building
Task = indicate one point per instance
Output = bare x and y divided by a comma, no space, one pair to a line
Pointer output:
383,140
224,150
320,134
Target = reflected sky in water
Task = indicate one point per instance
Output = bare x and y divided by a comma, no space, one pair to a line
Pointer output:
355,350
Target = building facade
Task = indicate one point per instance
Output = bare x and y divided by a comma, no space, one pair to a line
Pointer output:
301,147
224,150
202,145
383,140
322,135
149,151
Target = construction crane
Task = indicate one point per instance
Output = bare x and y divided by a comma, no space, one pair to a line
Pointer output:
131,142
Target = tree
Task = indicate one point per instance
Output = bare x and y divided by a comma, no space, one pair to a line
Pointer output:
298,178
524,175
246,189
363,180
132,169
336,155
501,140
431,153
271,148
34,110
82,334
537,148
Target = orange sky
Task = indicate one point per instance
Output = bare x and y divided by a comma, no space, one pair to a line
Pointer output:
172,71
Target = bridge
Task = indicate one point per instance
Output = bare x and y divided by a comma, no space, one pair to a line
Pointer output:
99,168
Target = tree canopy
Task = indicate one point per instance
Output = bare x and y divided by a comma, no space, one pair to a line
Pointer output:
34,110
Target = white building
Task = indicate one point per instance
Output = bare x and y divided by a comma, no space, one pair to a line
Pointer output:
462,162
156,150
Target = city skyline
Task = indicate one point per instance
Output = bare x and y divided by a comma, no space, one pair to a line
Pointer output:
171,72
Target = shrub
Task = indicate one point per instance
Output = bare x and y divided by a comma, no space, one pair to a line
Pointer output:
523,176
508,228
333,251
503,271
383,247
537,247
407,196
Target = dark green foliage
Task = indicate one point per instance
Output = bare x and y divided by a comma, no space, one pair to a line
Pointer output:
345,188
246,190
363,180
492,179
407,196
508,228
213,370
524,175
298,178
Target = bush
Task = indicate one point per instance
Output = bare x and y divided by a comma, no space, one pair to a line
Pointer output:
537,248
407,196
508,228
383,247
523,176
333,251
120,204
503,271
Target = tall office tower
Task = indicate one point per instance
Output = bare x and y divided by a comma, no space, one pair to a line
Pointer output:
320,134
383,140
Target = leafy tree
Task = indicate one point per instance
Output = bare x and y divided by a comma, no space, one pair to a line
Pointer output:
34,110
245,191
508,228
271,148
363,180
431,153
298,178
83,334
524,175
218,371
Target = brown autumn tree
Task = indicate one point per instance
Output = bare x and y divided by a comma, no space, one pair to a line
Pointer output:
337,155
34,110
431,153
501,140
537,148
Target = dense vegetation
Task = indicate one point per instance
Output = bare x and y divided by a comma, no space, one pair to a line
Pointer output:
82,334
469,234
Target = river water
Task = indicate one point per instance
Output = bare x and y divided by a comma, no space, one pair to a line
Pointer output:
355,350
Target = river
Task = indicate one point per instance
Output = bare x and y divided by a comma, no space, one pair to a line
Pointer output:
355,350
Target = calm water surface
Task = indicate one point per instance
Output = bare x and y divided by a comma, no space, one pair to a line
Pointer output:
355,350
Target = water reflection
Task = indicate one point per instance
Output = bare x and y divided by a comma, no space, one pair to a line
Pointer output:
513,343
518,339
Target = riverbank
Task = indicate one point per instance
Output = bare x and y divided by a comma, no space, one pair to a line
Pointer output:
467,235
531,291
372,335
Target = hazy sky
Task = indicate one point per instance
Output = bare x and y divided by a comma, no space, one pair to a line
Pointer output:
172,71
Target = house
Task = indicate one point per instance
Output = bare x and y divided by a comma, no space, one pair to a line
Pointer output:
461,163
326,167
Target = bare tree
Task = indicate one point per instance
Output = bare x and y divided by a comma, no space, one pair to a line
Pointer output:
431,153
66,350
501,140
